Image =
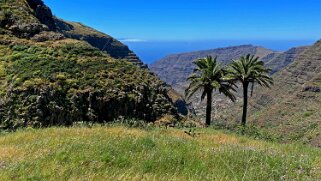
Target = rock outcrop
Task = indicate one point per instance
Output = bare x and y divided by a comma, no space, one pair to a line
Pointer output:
43,13
32,19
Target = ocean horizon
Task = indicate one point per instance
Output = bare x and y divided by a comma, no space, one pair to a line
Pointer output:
152,51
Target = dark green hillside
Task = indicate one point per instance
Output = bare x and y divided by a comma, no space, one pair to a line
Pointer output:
64,81
49,77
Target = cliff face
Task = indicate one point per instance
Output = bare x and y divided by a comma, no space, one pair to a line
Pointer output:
42,13
55,73
281,60
175,69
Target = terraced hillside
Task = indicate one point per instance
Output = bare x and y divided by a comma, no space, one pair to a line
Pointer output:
54,73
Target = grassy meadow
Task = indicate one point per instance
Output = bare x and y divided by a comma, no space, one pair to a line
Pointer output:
121,153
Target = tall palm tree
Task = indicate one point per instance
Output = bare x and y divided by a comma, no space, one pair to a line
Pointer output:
249,70
209,76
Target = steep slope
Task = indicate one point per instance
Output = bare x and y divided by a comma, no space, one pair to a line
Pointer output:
49,77
292,107
174,69
33,19
97,39
281,60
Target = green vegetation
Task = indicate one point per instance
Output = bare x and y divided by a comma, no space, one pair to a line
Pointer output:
54,73
17,10
209,76
119,153
57,83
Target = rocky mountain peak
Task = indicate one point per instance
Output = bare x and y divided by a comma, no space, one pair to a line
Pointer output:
43,13
32,19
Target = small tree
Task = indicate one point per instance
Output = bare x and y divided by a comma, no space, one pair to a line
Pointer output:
249,70
209,76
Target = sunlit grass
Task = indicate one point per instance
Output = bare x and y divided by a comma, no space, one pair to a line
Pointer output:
119,153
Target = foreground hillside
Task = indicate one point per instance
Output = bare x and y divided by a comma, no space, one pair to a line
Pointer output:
119,153
54,73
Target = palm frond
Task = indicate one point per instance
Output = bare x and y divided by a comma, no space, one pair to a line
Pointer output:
250,69
209,75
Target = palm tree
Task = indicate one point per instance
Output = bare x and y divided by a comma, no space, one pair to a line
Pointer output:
249,70
209,76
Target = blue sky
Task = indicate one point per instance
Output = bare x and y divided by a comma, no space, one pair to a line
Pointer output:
196,19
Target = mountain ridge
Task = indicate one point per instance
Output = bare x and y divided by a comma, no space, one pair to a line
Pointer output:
174,69
37,22
291,108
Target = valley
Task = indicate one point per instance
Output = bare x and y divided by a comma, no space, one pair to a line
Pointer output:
79,104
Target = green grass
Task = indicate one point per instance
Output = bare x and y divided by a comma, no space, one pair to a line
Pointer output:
119,153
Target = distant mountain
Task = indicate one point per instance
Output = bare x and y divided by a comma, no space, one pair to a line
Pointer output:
292,107
277,61
54,72
174,69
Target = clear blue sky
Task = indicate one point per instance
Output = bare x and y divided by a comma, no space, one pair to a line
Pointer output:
196,19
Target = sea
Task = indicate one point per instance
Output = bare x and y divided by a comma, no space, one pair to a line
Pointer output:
151,51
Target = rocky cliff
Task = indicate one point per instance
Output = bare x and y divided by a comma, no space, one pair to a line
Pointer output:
54,72
278,61
174,69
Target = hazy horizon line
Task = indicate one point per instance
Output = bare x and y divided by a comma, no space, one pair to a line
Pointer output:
139,40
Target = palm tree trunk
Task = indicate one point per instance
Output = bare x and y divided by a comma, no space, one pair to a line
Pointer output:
209,108
245,99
